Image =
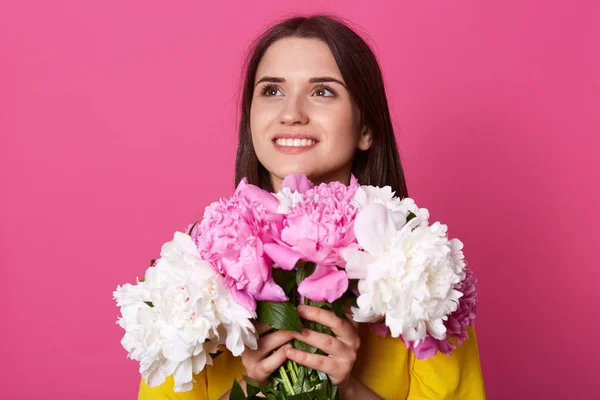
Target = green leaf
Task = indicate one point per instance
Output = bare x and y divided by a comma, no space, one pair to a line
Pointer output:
304,346
261,386
324,329
149,304
299,385
410,216
237,393
250,381
285,279
322,375
307,385
303,271
335,393
281,396
252,390
315,394
279,315
338,307
320,304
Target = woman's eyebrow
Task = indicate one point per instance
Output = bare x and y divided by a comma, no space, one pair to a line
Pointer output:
319,79
325,79
271,79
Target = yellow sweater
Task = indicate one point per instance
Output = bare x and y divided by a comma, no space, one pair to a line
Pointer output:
384,365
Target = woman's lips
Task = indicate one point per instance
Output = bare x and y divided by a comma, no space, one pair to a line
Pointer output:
294,143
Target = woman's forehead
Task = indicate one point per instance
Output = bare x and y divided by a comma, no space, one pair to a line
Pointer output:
298,58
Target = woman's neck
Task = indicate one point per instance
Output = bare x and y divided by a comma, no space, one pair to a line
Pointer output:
344,178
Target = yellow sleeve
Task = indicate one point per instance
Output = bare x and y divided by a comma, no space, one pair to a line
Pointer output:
454,377
211,383
165,391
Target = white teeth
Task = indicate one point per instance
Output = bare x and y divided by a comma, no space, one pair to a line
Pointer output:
295,142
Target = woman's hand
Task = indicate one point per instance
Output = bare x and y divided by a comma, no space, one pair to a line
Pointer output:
342,349
260,363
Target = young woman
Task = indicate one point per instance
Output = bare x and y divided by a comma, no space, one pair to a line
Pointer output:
314,103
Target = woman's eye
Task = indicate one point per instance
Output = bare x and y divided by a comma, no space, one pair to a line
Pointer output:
270,90
324,92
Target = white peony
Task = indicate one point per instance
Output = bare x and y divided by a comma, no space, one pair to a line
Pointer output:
400,209
287,199
175,319
406,275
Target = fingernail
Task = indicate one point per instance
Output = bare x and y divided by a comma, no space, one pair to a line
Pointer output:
301,308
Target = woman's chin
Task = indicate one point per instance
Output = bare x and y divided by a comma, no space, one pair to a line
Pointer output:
294,170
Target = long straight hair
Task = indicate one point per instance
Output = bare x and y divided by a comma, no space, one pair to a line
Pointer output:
378,166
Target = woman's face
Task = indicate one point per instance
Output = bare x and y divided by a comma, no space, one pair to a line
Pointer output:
302,117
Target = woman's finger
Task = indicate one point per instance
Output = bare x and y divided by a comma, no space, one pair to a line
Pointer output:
350,318
327,343
262,328
270,342
342,328
268,365
328,365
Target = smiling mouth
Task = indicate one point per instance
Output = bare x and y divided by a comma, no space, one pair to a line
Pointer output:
283,142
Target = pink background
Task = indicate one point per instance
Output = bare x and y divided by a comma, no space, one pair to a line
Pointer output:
117,123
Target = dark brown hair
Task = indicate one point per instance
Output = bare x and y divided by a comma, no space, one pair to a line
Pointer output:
378,166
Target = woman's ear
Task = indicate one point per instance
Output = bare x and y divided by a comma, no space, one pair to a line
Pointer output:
366,139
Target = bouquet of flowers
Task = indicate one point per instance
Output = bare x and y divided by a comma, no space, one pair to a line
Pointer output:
257,255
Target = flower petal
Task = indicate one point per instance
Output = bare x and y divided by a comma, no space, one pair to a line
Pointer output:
243,298
284,257
374,227
356,263
256,194
183,376
427,348
379,329
436,329
327,283
271,292
297,182
241,185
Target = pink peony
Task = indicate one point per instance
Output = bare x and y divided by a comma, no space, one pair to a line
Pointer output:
321,225
456,325
317,229
231,236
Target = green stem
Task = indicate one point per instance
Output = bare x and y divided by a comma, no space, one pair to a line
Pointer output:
286,381
291,365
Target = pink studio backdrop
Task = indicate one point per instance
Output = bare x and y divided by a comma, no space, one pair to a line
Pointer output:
118,120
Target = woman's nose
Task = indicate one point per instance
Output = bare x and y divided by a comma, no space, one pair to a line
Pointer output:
293,112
